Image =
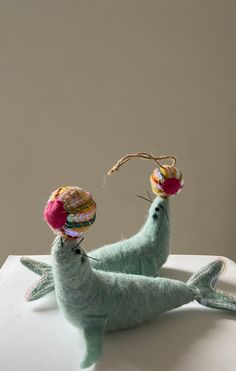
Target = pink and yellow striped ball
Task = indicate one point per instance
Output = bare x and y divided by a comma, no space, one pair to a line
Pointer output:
70,211
166,181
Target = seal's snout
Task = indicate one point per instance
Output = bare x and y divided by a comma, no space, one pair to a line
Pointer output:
159,208
164,205
164,202
76,250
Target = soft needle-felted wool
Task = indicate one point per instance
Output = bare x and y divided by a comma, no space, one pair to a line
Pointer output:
145,252
98,301
70,211
142,254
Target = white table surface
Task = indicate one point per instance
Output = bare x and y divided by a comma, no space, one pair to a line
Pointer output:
35,337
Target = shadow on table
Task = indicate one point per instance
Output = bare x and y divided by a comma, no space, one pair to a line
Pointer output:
47,303
160,344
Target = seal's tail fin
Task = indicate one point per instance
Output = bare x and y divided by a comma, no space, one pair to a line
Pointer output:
204,282
44,285
35,266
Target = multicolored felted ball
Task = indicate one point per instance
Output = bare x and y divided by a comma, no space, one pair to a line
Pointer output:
166,181
70,211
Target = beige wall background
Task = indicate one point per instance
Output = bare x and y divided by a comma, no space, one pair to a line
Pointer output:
85,82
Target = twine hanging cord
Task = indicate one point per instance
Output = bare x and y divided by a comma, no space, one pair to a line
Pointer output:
143,155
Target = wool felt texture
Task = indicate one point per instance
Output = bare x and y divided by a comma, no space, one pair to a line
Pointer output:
70,211
44,285
97,301
166,181
142,254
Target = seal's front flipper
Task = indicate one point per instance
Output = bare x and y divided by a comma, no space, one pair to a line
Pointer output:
203,283
149,266
94,328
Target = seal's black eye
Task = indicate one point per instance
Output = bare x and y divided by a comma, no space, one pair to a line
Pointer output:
77,251
82,259
157,208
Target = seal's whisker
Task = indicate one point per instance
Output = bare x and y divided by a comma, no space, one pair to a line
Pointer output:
149,196
90,257
75,247
144,198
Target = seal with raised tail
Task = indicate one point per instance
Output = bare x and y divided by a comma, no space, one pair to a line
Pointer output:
142,254
97,301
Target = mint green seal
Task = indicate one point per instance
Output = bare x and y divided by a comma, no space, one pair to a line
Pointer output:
142,254
97,301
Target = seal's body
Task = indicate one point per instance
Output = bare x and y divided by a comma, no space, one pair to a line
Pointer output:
99,301
145,252
142,254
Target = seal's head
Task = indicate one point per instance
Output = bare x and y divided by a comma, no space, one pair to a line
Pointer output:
159,212
157,228
69,257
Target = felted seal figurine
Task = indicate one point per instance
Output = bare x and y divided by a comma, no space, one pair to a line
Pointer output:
142,254
97,301
70,211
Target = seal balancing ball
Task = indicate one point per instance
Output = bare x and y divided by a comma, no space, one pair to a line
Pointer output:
70,211
166,181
